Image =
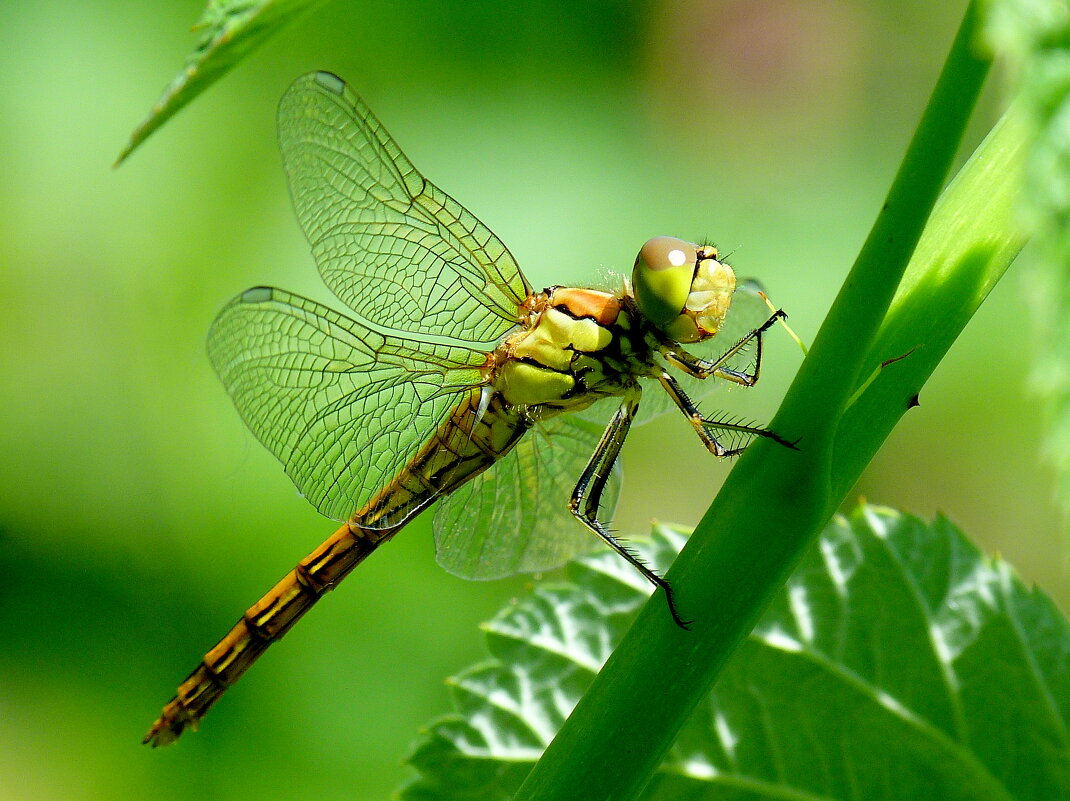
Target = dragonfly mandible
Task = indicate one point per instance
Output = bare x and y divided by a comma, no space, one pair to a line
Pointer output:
451,379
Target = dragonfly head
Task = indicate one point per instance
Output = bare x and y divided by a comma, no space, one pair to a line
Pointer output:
682,288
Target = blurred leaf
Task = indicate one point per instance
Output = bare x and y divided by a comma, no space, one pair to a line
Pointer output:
1034,36
897,663
230,30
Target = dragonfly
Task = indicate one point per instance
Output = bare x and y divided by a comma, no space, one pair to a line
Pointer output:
451,379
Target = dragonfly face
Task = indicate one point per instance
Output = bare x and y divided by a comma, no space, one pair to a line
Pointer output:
682,289
449,379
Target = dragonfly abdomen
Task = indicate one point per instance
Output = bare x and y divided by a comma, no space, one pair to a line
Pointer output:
262,624
478,432
469,441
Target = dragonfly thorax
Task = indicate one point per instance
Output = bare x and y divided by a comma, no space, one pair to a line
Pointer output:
575,347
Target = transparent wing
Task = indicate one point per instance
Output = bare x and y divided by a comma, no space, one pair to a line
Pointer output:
341,406
394,247
747,312
514,517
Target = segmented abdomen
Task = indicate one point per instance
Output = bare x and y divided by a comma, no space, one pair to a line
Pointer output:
469,441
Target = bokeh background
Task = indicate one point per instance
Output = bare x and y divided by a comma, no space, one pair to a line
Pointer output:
139,518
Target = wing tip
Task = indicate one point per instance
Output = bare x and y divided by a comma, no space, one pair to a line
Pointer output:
257,294
329,81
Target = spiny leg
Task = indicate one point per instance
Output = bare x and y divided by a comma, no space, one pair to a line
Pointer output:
704,368
587,496
704,427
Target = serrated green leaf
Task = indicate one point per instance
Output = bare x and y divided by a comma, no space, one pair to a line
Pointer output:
897,663
230,30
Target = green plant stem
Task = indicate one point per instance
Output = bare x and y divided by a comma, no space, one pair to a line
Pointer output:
968,244
776,500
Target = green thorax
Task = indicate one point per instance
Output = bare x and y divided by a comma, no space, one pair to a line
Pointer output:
575,347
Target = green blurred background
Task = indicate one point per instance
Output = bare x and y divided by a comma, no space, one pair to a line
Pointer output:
140,518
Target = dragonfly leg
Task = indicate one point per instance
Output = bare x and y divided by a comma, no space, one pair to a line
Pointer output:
587,496
705,368
705,427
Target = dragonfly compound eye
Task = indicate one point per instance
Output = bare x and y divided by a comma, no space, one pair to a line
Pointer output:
662,278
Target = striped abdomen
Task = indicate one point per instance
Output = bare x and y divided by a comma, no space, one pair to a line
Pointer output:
465,444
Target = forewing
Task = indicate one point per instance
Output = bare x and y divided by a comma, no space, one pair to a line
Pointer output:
514,518
341,406
394,247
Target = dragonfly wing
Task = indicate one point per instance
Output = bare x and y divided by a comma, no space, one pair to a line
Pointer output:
514,518
394,247
342,407
747,312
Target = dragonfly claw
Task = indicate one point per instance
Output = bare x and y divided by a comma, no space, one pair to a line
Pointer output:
670,600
